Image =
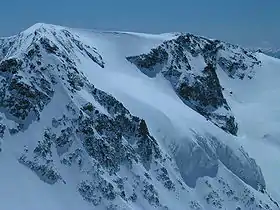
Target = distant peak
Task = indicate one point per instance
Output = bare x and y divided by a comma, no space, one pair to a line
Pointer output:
37,26
41,26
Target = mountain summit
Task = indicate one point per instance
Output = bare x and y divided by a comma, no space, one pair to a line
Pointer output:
121,120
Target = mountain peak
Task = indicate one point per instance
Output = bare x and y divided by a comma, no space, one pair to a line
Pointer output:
42,26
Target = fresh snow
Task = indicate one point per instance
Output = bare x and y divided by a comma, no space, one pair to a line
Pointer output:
256,105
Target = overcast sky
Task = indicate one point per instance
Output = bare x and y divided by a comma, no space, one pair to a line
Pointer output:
245,22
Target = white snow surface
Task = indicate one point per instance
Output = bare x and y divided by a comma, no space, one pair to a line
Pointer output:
255,104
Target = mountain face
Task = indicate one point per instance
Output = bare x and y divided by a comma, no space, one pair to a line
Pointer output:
114,120
190,64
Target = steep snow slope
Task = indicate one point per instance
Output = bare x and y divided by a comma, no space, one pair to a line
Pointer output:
256,106
72,106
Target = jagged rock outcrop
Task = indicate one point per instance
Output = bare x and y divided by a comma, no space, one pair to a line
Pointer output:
189,63
109,137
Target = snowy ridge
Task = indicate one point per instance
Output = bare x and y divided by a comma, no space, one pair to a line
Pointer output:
87,129
272,52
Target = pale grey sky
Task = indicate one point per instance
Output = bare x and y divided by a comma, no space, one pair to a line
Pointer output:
245,22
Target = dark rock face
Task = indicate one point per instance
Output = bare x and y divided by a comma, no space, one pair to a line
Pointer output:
48,45
41,161
163,176
151,194
20,100
109,137
11,66
102,135
27,83
95,192
205,96
64,141
239,63
198,87
2,130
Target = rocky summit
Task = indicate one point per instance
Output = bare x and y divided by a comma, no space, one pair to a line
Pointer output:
119,120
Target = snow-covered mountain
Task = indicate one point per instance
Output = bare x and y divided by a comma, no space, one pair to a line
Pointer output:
272,52
118,120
